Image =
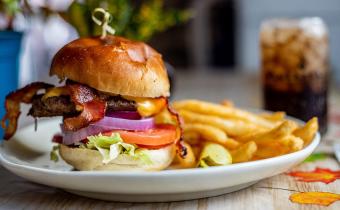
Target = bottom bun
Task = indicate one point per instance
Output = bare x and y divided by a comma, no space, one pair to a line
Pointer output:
88,160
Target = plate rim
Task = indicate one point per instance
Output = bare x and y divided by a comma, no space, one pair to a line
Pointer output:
171,172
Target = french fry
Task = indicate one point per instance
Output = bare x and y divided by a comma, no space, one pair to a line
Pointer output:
276,116
227,103
210,133
279,117
188,162
231,143
197,148
244,153
294,125
269,151
283,146
308,131
191,137
207,132
221,111
231,126
292,142
246,135
279,132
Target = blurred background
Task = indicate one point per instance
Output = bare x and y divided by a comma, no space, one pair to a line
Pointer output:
212,45
212,36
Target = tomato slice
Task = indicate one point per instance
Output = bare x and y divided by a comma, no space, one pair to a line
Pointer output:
159,136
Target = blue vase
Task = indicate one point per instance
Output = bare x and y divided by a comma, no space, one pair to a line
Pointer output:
10,45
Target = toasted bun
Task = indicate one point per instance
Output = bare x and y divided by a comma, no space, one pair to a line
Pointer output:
114,65
88,160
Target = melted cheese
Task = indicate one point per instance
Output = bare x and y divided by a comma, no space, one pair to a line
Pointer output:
145,106
56,91
148,106
165,117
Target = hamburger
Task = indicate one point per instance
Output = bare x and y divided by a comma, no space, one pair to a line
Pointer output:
114,104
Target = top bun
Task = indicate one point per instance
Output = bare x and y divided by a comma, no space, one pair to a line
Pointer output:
114,65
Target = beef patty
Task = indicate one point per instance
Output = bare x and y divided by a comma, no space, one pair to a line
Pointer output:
63,106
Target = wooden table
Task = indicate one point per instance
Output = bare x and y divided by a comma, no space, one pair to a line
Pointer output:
272,193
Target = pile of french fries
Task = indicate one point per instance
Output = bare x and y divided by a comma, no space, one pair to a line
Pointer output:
246,136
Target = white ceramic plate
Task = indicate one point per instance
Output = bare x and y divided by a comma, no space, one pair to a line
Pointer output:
27,155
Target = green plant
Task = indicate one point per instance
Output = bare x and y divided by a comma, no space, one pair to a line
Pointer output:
135,21
9,8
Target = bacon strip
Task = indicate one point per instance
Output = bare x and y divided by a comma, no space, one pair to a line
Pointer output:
180,146
93,108
12,105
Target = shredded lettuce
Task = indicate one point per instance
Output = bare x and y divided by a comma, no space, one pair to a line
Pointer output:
110,147
103,141
143,155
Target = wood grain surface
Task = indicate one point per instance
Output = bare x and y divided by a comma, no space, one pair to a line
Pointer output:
272,193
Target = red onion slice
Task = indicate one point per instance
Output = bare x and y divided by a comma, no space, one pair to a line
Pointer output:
106,124
72,137
124,114
126,124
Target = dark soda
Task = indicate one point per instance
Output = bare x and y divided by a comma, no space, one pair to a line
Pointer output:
295,68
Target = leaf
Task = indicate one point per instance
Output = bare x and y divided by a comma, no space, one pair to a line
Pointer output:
317,198
315,157
318,175
136,20
79,17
